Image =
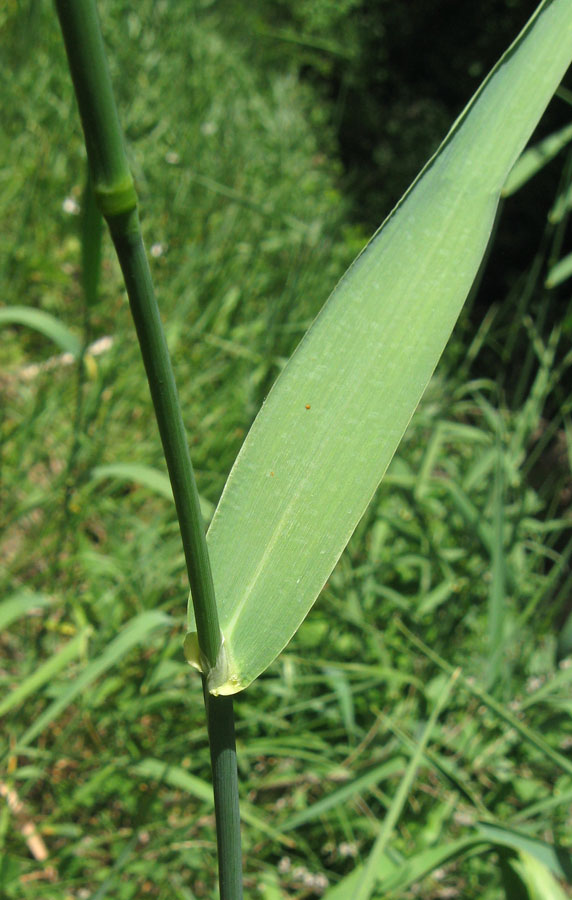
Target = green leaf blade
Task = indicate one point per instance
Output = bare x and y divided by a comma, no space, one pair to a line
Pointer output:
147,476
332,422
43,322
534,159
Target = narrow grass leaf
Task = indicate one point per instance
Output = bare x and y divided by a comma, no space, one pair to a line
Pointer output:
559,272
557,684
154,480
410,871
331,424
337,679
564,644
432,600
366,883
556,858
528,734
111,885
345,793
45,672
20,604
561,206
43,322
497,586
134,632
157,770
535,158
443,766
542,859
561,799
421,865
178,778
539,883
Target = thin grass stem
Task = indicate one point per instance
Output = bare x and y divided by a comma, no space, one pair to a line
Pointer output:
220,720
117,200
116,197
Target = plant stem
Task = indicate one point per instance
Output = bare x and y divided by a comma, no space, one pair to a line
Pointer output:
135,268
117,200
220,721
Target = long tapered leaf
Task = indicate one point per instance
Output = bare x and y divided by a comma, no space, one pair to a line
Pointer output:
136,631
45,673
559,272
539,883
556,857
20,604
43,322
398,877
151,478
366,884
487,837
534,159
179,778
345,793
327,431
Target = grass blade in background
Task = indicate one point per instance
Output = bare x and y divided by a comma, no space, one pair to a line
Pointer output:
363,888
554,857
20,603
502,711
550,860
154,480
334,418
497,587
45,673
403,875
560,271
136,631
345,794
539,883
154,769
535,158
45,323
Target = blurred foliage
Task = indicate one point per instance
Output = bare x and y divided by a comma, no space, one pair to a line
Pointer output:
394,75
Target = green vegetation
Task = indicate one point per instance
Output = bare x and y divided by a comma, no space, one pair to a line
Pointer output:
462,559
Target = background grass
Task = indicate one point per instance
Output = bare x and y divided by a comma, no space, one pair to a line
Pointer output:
250,210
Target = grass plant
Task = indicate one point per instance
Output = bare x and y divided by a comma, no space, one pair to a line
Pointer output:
460,548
